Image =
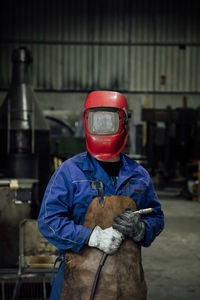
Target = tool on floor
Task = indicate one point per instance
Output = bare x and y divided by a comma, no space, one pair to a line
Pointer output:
104,255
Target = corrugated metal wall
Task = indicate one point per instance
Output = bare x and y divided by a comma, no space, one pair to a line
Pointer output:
132,46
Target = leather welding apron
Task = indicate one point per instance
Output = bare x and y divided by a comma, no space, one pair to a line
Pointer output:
121,277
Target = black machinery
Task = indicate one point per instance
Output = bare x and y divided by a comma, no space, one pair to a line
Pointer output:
173,144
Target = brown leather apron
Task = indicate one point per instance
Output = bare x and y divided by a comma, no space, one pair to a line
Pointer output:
122,275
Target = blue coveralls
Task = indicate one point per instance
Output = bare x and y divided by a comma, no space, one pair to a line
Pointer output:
72,188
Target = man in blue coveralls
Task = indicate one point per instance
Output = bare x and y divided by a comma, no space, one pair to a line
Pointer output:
76,222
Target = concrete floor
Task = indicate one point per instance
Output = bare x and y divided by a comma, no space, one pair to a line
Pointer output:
172,263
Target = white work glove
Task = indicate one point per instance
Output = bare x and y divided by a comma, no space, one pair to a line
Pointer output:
108,240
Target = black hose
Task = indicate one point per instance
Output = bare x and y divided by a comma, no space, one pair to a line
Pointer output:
96,279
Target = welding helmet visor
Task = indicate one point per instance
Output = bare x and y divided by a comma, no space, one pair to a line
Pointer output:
103,121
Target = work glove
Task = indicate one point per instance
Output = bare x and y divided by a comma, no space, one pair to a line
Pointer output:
130,225
108,240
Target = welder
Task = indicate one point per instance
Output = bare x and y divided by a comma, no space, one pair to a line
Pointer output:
89,209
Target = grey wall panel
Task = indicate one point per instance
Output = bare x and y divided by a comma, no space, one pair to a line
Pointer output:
84,45
141,76
181,68
100,21
125,68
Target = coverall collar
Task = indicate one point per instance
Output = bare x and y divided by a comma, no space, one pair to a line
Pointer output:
127,170
91,164
100,173
88,164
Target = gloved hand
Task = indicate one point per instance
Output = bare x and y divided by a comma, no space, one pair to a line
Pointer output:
130,225
108,240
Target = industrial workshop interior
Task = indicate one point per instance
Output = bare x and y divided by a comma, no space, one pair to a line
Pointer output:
52,55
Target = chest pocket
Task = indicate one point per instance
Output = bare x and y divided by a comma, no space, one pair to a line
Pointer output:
84,194
136,190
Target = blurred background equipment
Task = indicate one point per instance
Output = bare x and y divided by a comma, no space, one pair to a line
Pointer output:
67,136
24,133
36,262
24,156
173,146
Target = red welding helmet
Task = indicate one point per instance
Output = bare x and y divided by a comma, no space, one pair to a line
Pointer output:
106,123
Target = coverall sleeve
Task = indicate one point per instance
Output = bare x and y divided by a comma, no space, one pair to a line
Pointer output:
154,222
54,220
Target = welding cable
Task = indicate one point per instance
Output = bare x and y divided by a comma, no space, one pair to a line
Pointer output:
96,279
60,259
